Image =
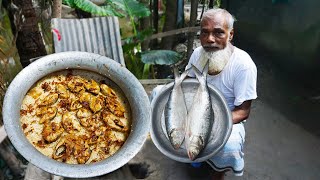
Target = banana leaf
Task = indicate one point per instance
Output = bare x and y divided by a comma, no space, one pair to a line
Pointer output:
132,7
92,8
161,57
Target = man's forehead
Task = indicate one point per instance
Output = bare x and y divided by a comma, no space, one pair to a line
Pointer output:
218,20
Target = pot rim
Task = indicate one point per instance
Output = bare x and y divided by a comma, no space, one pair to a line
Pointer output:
140,109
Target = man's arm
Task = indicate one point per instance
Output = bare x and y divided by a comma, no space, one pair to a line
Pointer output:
240,113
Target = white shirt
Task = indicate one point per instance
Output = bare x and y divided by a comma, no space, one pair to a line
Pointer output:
237,81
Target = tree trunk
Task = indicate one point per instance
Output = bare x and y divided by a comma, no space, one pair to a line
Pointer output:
29,41
169,24
193,19
155,22
9,67
56,9
168,42
145,24
9,59
211,2
2,93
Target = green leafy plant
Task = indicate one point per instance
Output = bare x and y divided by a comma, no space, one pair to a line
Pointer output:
217,3
119,8
90,7
133,9
138,62
161,57
9,60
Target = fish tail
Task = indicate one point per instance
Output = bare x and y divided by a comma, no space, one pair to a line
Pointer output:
200,76
204,75
176,74
196,71
185,74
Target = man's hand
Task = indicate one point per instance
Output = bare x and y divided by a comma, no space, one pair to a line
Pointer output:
240,113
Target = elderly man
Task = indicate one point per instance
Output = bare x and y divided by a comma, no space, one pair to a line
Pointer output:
232,71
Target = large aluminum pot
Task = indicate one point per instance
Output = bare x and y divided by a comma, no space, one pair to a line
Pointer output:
131,87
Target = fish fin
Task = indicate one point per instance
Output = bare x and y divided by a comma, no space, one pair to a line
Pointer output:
201,140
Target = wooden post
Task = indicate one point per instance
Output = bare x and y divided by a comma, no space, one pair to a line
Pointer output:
193,19
169,24
57,5
145,24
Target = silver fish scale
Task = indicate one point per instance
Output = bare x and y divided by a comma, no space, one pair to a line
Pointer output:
199,119
201,115
176,112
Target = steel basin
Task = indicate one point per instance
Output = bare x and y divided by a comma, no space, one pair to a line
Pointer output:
131,87
221,129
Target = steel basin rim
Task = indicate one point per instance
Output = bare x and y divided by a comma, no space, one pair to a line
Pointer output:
167,152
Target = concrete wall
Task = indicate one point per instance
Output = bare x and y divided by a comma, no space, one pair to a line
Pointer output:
288,31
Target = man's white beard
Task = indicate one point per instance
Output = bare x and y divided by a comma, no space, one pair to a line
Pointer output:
217,59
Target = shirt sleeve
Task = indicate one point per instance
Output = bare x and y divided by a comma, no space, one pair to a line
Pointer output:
245,85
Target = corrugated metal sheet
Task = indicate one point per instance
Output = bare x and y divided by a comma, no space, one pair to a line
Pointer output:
100,35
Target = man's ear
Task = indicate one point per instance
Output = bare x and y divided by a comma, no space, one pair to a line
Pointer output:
231,35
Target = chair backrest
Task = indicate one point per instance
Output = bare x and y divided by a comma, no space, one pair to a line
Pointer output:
100,35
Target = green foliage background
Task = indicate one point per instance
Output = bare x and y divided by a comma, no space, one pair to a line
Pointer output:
138,62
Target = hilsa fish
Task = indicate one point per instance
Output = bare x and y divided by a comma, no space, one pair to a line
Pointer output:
175,111
200,118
